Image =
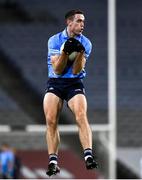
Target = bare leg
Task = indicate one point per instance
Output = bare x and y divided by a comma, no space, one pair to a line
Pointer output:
78,105
52,106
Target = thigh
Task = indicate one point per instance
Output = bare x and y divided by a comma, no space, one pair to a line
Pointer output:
52,105
78,104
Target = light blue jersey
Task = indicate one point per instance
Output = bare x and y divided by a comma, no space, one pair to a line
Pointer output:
6,162
54,44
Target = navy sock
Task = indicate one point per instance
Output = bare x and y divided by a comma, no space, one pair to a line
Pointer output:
53,158
88,153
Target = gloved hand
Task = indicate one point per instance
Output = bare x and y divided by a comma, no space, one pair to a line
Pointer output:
78,46
69,46
72,45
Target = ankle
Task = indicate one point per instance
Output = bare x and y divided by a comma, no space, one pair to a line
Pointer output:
53,158
88,153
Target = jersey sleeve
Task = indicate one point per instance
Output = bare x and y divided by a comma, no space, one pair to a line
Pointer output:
53,46
88,48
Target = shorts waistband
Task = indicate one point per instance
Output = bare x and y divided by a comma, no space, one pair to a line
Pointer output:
65,79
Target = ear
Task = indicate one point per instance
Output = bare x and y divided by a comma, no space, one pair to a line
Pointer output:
69,21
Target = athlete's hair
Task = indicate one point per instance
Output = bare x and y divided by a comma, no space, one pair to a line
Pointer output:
70,14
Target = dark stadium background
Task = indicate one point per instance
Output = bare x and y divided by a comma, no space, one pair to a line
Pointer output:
25,27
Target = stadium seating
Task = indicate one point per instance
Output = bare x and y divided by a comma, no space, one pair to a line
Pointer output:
11,113
24,42
129,73
26,46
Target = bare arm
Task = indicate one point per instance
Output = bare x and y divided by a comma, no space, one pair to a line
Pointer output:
79,63
59,62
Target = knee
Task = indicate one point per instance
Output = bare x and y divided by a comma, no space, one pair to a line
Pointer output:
81,117
51,121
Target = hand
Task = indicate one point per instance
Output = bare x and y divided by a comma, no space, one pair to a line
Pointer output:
77,45
80,47
69,46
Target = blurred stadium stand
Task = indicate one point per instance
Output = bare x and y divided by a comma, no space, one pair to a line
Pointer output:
11,113
129,72
129,86
25,27
34,38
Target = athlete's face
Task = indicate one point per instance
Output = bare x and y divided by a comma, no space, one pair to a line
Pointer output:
76,25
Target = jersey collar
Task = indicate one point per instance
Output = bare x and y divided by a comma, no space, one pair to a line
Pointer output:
65,35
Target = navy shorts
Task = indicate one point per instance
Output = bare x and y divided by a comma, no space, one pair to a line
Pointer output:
65,88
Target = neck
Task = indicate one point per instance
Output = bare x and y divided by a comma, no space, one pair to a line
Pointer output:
69,33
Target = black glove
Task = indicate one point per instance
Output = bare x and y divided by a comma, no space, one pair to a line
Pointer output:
69,46
72,45
79,47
